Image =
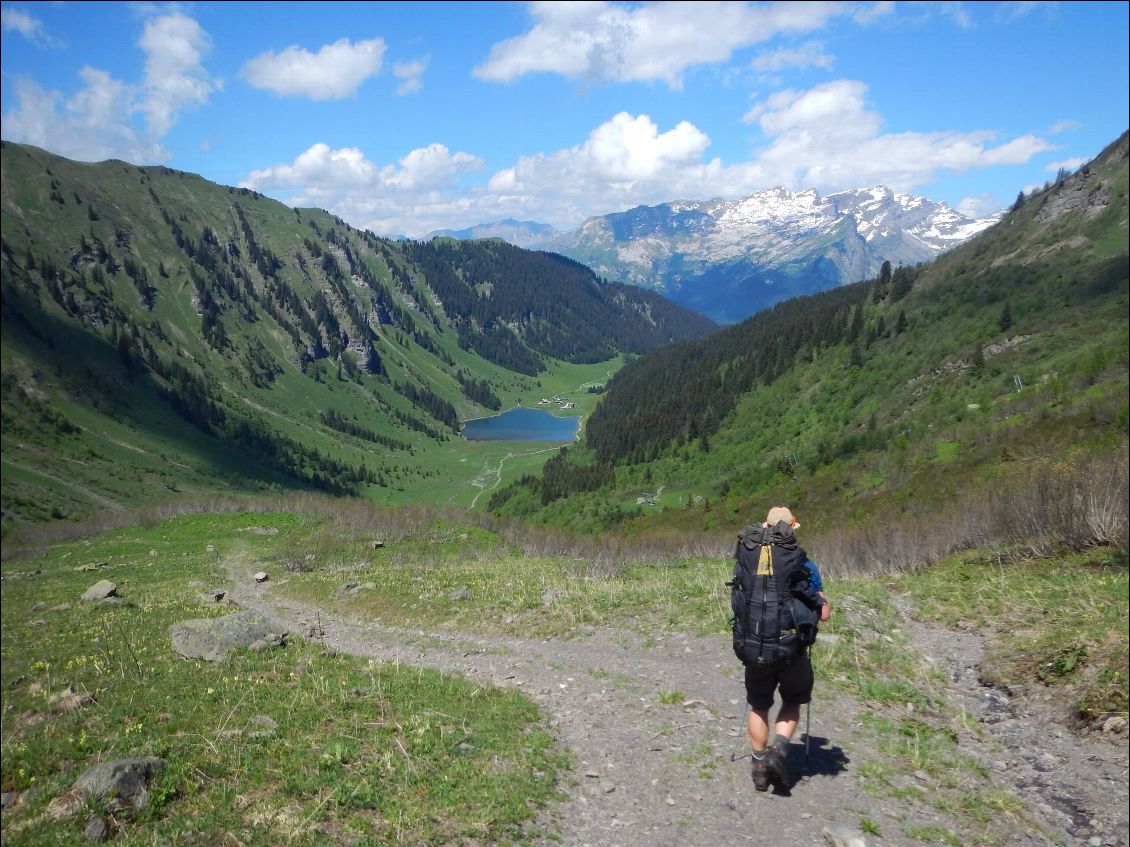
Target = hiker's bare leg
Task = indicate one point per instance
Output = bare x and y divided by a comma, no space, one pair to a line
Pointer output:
787,720
758,725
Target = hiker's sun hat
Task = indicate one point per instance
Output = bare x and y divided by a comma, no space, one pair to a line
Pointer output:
781,513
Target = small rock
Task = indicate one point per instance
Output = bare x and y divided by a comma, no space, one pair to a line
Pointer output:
459,595
39,607
96,829
64,806
216,595
10,799
101,590
264,722
922,775
377,544
74,702
670,800
62,607
592,774
838,835
1114,724
261,576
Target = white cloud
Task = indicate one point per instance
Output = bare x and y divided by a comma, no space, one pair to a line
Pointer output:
99,120
334,72
624,162
29,26
175,77
91,125
805,56
827,138
979,207
602,42
410,75
824,138
1074,163
1063,126
416,195
873,12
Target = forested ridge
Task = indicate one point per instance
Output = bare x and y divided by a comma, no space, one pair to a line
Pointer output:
132,293
1008,352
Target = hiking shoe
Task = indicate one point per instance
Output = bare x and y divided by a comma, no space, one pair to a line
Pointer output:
777,762
760,773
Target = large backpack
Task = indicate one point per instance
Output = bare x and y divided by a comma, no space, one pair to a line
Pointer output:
776,612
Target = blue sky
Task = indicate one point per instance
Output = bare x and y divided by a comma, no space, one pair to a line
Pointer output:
403,118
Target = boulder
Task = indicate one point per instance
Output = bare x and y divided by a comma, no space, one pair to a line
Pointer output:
124,782
101,590
212,639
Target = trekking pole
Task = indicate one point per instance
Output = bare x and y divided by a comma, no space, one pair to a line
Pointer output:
734,757
808,715
807,729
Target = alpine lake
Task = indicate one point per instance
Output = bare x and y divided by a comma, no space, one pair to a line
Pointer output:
521,424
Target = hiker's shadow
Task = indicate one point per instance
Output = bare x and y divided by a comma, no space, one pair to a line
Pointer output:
821,758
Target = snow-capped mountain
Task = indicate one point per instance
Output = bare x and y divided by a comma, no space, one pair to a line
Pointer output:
731,258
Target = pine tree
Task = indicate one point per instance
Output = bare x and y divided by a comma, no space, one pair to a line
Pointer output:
1005,320
883,283
977,362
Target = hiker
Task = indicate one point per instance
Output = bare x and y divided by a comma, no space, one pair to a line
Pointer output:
778,601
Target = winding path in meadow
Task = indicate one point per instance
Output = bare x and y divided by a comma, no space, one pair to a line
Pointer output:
659,774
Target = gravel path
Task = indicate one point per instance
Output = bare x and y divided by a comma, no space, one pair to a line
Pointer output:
657,774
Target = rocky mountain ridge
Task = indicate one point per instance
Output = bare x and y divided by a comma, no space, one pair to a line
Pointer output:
731,258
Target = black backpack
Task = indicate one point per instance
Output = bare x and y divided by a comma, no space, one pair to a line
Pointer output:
776,611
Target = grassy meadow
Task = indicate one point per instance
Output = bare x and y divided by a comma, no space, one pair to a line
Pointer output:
389,754
356,748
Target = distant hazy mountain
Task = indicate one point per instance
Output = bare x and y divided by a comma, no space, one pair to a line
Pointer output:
528,234
732,258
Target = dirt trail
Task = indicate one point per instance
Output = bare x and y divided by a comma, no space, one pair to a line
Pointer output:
650,774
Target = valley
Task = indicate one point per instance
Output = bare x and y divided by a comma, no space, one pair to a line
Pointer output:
216,407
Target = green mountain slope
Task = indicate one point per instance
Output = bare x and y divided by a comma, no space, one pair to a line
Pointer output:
881,400
163,335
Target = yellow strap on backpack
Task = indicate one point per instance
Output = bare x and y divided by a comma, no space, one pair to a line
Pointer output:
765,561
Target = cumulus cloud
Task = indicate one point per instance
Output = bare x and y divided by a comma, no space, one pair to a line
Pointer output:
602,42
100,120
175,78
411,75
334,72
825,137
29,26
415,195
1068,165
979,207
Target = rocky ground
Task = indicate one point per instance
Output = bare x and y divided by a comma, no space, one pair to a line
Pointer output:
655,769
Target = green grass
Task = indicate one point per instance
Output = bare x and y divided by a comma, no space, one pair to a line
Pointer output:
1058,622
391,734
363,748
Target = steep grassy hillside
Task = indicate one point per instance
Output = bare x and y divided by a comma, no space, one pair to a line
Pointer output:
998,369
163,336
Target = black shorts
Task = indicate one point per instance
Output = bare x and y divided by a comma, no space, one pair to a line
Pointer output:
794,680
